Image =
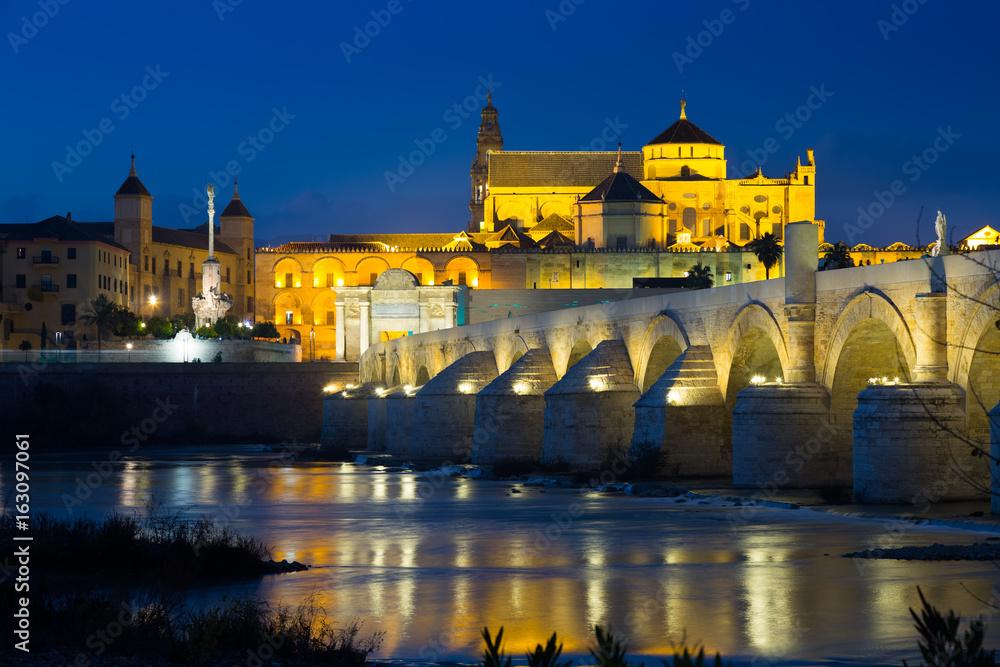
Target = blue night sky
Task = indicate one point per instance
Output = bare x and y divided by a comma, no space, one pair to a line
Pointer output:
561,72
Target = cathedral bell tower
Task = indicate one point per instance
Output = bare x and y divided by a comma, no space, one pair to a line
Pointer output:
489,139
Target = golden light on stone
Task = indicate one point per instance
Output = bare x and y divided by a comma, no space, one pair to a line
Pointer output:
597,384
340,282
380,391
465,388
408,387
329,389
475,282
673,396
758,379
520,388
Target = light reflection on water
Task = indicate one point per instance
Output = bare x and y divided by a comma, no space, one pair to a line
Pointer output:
433,561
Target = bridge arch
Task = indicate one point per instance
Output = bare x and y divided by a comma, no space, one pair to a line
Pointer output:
580,349
394,371
870,304
754,319
423,376
518,350
977,365
664,341
371,370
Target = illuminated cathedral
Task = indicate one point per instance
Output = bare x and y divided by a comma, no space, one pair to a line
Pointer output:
673,191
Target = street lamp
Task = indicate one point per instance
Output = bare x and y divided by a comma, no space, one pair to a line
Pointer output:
129,347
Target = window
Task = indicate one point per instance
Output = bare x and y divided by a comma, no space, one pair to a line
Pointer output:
21,253
744,231
288,280
68,313
806,181
145,293
180,298
555,276
331,318
227,274
729,276
461,278
46,282
20,280
180,269
191,274
249,304
289,317
70,282
249,279
114,285
46,255
154,266
621,242
249,253
685,171
145,263
706,227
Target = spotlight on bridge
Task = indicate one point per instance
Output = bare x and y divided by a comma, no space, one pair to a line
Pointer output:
329,389
380,391
597,384
407,388
673,397
465,387
758,379
520,388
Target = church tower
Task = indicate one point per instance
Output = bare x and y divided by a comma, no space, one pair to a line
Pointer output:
236,231
134,230
489,139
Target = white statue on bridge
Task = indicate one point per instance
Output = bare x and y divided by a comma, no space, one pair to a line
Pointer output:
941,227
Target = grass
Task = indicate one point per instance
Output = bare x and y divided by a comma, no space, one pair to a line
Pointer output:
148,545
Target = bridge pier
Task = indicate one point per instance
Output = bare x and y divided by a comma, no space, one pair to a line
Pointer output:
910,438
377,419
445,412
783,439
399,409
682,416
510,411
908,443
589,411
345,416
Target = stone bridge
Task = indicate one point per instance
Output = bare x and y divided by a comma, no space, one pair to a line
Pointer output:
770,382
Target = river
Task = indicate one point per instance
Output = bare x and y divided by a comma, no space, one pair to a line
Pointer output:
431,560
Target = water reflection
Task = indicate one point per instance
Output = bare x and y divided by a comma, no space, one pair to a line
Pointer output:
431,561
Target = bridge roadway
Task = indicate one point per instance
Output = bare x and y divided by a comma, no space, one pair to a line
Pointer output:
766,381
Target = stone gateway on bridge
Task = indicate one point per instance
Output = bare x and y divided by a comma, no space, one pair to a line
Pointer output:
878,377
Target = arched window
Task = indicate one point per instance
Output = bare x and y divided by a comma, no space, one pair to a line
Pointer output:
689,219
685,171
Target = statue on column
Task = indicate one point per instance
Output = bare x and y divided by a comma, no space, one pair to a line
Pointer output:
941,227
211,304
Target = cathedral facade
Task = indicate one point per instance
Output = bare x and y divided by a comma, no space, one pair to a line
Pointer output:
674,190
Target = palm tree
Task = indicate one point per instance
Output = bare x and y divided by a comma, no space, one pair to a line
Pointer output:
768,251
100,313
700,277
839,256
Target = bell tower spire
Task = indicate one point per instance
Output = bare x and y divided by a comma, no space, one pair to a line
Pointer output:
489,139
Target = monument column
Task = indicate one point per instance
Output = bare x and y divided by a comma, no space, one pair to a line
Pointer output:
341,331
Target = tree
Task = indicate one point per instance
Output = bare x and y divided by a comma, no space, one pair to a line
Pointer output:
206,331
700,277
230,326
768,251
160,327
100,313
45,336
126,323
25,346
839,256
265,330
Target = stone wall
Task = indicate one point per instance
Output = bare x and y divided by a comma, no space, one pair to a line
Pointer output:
247,402
153,351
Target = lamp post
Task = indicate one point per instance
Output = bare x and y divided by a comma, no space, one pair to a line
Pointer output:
312,344
152,305
128,346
